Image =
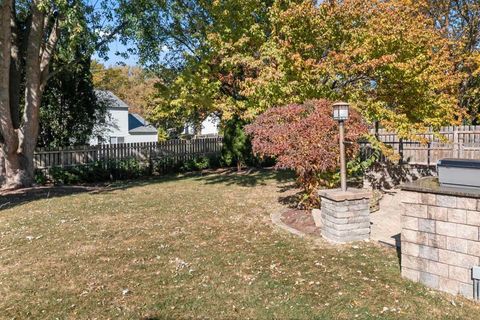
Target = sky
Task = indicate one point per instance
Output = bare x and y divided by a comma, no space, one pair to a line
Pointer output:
113,59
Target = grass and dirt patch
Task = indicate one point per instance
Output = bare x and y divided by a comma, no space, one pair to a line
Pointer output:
198,246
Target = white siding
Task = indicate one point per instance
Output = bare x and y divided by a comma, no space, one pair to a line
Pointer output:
210,125
142,137
117,126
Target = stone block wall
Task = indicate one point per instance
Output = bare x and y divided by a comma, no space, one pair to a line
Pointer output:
440,240
345,220
385,176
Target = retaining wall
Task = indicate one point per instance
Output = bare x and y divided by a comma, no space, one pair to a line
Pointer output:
440,238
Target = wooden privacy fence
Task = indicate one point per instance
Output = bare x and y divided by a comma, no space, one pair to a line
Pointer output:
172,151
457,142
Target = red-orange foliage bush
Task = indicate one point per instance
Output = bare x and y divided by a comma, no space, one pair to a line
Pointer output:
304,138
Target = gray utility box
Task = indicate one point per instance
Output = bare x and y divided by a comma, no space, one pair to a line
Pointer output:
460,173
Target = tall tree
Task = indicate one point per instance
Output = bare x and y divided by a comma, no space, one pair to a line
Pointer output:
243,57
41,34
459,21
132,84
385,56
70,109
205,46
29,33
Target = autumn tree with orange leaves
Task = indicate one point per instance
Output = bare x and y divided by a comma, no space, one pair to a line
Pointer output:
388,58
304,138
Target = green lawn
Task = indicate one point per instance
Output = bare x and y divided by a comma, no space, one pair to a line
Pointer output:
193,247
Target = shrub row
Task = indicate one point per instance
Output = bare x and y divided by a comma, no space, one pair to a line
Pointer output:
124,169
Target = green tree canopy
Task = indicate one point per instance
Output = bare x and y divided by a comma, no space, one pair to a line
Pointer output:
459,21
70,110
243,57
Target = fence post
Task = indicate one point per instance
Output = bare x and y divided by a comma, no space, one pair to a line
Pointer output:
62,158
400,150
460,145
149,157
428,153
456,153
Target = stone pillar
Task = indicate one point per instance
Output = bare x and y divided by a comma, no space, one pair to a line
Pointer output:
440,240
345,216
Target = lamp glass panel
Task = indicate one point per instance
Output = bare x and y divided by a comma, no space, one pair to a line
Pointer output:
343,112
340,112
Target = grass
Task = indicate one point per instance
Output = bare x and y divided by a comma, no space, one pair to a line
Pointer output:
193,247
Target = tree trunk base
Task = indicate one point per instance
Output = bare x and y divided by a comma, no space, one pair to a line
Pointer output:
18,180
16,172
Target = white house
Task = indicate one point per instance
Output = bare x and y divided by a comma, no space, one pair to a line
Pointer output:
209,127
120,125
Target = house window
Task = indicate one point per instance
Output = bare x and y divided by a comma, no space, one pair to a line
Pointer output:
115,140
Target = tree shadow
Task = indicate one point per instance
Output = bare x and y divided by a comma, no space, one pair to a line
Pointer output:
249,177
13,198
385,176
398,247
292,200
18,197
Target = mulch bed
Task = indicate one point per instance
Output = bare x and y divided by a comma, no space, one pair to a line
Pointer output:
301,220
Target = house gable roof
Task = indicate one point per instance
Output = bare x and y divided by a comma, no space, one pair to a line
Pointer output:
111,100
136,124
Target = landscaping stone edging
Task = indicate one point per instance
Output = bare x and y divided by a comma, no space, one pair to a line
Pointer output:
276,218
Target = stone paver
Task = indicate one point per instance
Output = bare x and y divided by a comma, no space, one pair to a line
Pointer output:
386,222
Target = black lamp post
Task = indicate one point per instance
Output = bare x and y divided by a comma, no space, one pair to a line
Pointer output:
340,113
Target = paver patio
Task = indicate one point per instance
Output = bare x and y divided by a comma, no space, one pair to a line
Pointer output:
386,222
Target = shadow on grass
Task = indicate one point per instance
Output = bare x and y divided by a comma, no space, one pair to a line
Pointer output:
17,197
247,178
9,199
398,247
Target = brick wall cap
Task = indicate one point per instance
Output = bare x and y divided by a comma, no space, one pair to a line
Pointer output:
350,194
431,185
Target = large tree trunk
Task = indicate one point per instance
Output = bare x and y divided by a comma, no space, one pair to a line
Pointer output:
14,175
16,168
19,140
19,149
7,132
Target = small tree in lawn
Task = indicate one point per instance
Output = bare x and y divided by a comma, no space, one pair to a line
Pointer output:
304,138
237,148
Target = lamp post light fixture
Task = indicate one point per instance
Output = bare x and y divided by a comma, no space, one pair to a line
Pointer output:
340,113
